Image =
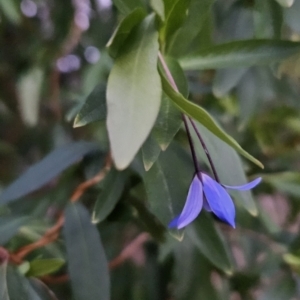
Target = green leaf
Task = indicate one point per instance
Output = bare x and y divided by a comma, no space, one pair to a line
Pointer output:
167,183
159,7
197,284
228,166
286,182
198,13
123,30
199,114
150,151
3,281
11,10
19,287
45,170
286,3
94,108
9,227
227,79
169,118
207,238
133,94
291,16
240,54
167,124
176,12
40,267
112,189
42,290
126,6
87,264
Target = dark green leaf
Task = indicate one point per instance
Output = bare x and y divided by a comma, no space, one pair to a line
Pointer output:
167,183
150,151
226,79
126,6
181,41
240,54
87,264
195,284
123,30
40,267
94,108
133,94
9,227
112,189
42,290
167,124
45,170
11,10
199,114
207,238
176,12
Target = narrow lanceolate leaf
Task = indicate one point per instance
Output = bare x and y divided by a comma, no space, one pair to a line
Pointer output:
94,108
240,54
45,170
87,264
112,189
123,30
133,94
209,241
9,227
286,3
226,161
167,183
203,117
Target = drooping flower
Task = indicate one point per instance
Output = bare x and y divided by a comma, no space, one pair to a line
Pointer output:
205,192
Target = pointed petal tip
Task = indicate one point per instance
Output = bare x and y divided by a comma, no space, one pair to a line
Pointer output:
248,186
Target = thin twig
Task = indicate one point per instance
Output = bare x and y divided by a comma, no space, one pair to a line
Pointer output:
205,150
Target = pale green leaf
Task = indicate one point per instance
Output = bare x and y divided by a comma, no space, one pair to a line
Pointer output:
133,94
159,7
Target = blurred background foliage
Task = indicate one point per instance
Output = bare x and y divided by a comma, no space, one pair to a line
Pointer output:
54,66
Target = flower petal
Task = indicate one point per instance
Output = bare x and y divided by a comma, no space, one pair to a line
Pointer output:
219,200
246,186
192,207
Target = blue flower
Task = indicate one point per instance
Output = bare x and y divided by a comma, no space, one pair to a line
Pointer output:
205,192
